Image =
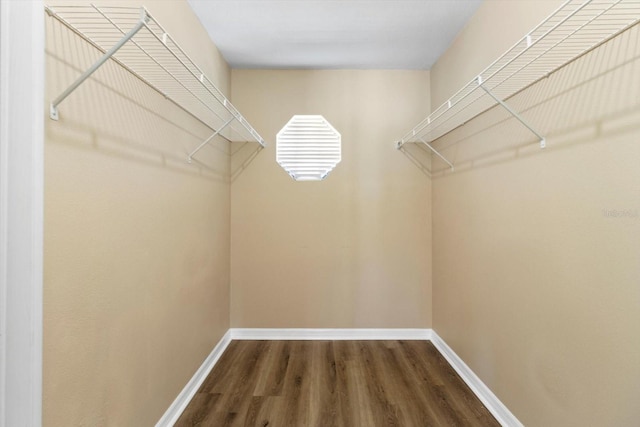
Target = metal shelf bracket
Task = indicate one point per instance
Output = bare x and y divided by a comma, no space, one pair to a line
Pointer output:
53,108
206,141
436,153
543,142
399,145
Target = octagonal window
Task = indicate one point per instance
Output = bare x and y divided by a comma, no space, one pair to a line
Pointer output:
308,148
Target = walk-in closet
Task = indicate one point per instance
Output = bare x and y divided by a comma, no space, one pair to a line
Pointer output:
348,213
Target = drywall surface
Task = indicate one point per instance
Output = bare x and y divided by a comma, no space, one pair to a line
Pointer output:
536,253
352,251
136,286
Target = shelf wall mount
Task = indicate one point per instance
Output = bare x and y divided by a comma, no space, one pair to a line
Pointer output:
132,38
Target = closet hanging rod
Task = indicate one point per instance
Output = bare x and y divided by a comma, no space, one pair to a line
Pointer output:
136,41
572,30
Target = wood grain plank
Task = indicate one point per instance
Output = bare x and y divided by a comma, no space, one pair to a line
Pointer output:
196,413
265,411
428,391
223,368
414,408
236,392
384,409
324,385
271,380
296,386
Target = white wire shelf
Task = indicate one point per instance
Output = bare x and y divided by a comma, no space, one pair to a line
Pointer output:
135,40
572,30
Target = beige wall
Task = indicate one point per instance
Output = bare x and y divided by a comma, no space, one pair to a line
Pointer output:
136,286
536,282
352,251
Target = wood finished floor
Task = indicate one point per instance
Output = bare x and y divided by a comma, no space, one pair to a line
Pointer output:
334,383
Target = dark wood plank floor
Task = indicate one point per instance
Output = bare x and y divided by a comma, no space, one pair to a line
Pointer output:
334,383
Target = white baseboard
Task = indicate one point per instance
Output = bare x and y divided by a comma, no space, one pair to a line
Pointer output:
180,403
329,334
486,396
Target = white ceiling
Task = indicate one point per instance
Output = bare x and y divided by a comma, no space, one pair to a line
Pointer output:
375,34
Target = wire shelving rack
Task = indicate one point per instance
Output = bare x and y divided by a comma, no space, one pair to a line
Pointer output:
572,30
135,40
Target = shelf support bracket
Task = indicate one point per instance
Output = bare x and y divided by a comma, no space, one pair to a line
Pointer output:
399,145
434,151
206,141
53,108
543,142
